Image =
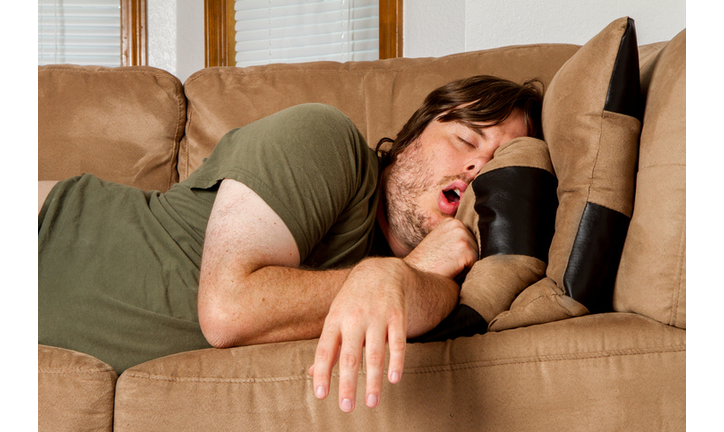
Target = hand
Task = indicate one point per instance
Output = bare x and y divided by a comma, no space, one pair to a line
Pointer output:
447,250
382,301
370,310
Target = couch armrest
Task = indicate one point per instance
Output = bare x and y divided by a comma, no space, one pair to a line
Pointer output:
75,391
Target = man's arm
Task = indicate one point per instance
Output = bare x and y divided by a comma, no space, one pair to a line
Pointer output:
251,289
384,301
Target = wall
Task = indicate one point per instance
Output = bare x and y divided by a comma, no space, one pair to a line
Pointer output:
436,28
176,36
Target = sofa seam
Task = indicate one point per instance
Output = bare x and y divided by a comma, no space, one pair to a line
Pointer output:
425,369
74,371
553,358
178,136
187,147
677,291
673,164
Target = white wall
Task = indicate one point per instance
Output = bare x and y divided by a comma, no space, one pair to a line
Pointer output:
433,28
176,36
436,28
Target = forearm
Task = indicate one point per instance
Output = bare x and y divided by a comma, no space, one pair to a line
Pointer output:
271,304
428,297
433,298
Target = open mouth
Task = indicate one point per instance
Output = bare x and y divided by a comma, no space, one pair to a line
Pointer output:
449,198
452,195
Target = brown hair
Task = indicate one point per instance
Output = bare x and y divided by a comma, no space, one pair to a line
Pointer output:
470,101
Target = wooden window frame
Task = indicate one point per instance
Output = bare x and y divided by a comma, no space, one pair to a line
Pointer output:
390,29
219,30
134,33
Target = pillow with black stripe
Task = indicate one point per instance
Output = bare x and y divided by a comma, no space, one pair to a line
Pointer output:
511,212
592,114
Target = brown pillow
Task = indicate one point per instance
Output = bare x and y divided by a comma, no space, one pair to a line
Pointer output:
592,115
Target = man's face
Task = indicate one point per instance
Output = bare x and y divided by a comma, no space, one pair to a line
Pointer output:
424,185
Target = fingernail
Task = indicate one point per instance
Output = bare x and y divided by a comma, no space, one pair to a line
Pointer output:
371,400
319,392
346,405
395,377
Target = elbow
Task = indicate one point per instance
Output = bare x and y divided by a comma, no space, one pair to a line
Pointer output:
223,326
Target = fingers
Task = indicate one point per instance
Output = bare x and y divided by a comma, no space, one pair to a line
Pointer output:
349,361
324,359
347,350
369,311
375,359
397,339
446,251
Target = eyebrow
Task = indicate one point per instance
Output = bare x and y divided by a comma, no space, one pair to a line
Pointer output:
477,130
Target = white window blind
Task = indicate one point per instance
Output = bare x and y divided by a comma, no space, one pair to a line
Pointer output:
85,32
294,31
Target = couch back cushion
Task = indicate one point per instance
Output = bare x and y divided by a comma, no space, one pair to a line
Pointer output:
378,96
652,275
121,124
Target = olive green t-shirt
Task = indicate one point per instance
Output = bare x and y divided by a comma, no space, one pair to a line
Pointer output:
118,267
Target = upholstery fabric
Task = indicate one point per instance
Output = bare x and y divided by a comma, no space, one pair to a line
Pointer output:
500,275
377,96
448,385
593,146
652,276
75,391
121,124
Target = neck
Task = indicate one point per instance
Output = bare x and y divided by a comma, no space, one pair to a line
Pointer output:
397,248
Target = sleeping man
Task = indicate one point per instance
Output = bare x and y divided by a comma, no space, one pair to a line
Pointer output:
293,228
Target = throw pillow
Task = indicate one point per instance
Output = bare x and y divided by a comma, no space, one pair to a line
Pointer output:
592,116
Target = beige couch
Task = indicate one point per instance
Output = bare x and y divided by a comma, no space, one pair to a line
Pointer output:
613,371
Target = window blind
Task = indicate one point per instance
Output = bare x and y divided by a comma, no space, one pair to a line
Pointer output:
85,32
293,31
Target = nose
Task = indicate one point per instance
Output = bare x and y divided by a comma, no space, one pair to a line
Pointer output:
474,166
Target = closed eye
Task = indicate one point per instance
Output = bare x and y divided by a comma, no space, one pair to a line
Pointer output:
467,143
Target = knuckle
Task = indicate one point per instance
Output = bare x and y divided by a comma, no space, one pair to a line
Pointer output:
323,355
397,344
349,360
375,358
396,316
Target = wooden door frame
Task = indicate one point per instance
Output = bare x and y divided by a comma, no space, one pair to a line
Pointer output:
219,30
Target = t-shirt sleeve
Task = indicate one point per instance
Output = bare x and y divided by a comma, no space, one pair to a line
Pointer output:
310,164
